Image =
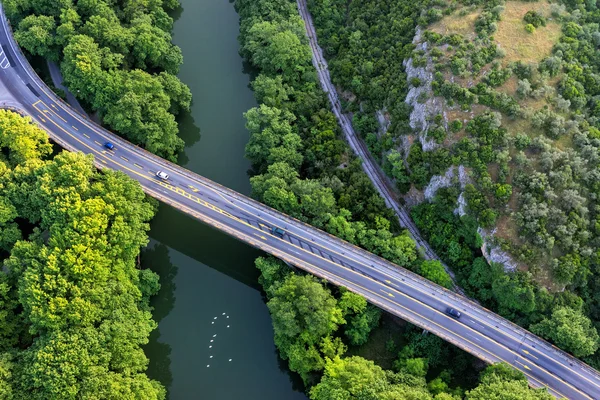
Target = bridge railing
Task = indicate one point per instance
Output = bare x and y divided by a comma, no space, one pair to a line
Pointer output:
376,260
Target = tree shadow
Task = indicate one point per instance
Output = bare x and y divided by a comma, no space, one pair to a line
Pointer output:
295,379
157,259
189,132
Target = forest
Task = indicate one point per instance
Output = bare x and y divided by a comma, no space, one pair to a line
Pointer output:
117,58
302,167
74,302
523,124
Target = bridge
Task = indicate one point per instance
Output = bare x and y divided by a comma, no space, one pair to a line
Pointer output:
393,289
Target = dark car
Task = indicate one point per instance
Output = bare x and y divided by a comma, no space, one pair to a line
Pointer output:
453,312
277,232
109,145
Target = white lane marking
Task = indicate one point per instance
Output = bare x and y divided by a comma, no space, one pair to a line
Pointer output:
4,63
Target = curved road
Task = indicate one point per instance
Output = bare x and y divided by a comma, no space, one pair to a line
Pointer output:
400,292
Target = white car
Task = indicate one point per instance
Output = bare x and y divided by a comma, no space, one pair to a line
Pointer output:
162,175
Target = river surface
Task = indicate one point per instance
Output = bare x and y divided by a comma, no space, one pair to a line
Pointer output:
214,339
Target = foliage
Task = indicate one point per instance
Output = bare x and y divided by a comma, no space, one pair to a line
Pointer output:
570,330
434,271
117,58
502,382
355,377
74,306
534,18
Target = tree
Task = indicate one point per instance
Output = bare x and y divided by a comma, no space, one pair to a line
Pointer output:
276,47
36,33
74,306
269,126
271,91
360,317
357,378
303,313
514,292
435,272
570,330
502,382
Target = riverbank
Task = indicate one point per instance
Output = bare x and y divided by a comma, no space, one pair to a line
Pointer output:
205,273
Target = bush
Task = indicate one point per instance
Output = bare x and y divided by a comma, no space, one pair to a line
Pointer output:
530,28
534,19
456,125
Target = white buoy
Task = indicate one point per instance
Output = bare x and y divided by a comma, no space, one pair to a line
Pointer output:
211,356
223,313
215,335
207,365
228,316
213,322
215,318
228,326
211,340
210,347
230,359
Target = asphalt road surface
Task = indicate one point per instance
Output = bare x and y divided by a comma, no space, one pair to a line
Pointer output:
410,297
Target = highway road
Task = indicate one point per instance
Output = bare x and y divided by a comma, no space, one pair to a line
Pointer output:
400,292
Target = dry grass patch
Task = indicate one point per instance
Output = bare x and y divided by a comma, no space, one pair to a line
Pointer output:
456,24
510,86
520,44
507,229
564,142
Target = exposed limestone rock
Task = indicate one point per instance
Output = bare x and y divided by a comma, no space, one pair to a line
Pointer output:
439,181
384,120
462,205
492,253
422,112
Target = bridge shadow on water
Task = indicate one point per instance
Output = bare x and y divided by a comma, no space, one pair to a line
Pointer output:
207,245
173,230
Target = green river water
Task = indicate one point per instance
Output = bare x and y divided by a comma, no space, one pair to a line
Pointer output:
204,273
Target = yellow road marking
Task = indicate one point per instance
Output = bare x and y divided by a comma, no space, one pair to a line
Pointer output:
529,354
356,284
42,118
74,127
508,333
138,165
260,236
388,293
124,159
192,212
97,142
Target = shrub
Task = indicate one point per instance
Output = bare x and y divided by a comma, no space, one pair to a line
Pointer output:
456,125
535,19
530,28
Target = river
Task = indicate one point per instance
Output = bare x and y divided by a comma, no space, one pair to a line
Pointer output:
214,339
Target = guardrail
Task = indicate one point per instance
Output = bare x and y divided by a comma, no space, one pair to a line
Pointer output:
377,262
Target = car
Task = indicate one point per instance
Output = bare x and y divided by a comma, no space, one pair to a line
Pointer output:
109,145
277,232
455,313
162,175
